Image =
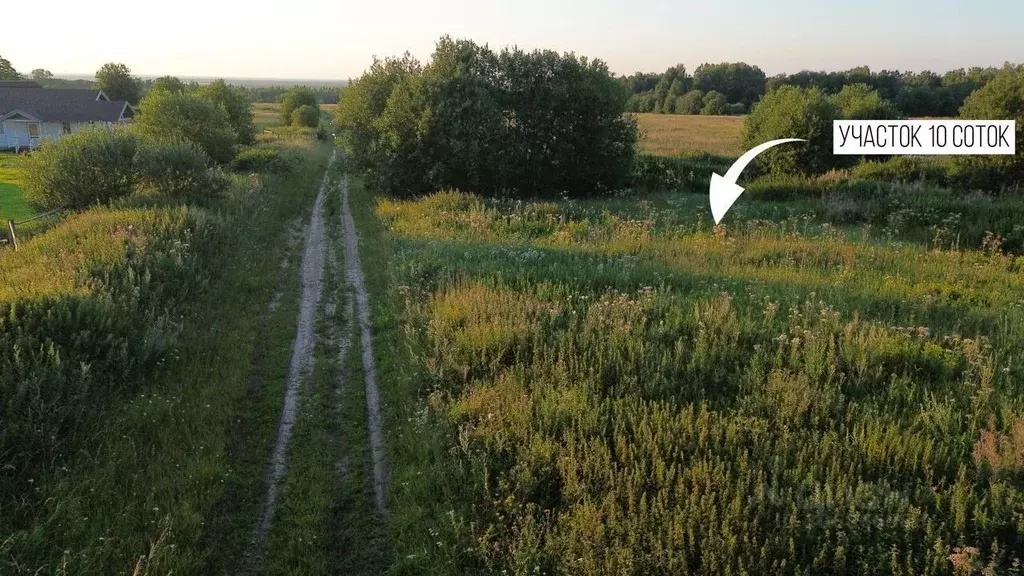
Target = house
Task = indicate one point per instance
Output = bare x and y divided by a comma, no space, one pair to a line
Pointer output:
31,114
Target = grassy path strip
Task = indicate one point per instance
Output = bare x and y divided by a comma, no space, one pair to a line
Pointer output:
301,364
357,281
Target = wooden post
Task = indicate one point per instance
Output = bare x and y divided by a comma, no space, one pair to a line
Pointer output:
10,231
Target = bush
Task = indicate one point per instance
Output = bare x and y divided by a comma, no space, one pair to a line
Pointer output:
170,116
179,170
89,167
904,169
690,103
297,98
306,115
1001,99
736,109
791,112
714,104
861,102
265,159
688,173
236,104
450,125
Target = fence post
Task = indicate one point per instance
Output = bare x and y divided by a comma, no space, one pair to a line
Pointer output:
14,237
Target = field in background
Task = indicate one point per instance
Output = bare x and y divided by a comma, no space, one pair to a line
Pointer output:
12,205
674,134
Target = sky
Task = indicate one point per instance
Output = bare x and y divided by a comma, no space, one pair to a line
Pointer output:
335,39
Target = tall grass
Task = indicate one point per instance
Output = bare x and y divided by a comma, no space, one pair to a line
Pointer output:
618,387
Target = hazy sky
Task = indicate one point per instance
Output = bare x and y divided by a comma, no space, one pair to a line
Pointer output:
336,39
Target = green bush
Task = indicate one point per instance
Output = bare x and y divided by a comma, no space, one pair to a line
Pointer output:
89,167
690,103
297,98
688,173
236,104
861,102
179,170
1001,99
515,123
714,104
306,115
167,115
904,169
791,112
265,159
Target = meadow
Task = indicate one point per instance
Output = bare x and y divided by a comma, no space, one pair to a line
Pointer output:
675,134
620,387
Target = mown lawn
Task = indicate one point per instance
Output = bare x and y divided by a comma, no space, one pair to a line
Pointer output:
12,205
674,134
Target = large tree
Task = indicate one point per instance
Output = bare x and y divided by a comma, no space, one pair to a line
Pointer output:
236,104
170,116
41,74
117,82
7,71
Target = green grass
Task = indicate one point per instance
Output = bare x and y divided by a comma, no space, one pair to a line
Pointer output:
12,205
619,386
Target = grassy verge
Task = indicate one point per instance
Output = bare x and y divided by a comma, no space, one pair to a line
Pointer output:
137,497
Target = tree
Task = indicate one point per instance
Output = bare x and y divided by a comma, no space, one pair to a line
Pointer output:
861,102
306,115
739,81
166,115
714,104
117,82
7,71
690,103
1002,98
236,104
791,112
41,74
168,83
294,98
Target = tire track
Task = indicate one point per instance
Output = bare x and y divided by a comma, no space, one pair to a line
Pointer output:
299,367
356,279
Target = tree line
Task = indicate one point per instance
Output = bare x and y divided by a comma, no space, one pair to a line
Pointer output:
733,87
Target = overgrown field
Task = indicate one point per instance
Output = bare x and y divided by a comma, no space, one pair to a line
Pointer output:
617,387
12,205
672,134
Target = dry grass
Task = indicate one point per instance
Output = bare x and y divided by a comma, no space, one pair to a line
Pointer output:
674,134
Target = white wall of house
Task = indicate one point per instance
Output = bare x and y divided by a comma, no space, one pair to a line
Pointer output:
17,133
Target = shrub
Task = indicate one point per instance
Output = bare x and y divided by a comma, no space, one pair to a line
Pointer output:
265,159
1001,99
861,102
306,115
690,103
179,170
89,167
736,109
236,104
714,104
903,169
296,98
167,115
685,173
529,124
791,112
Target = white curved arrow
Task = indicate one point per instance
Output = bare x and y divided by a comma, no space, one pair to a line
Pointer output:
724,190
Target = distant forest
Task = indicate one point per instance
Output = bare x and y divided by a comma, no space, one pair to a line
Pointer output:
274,93
733,87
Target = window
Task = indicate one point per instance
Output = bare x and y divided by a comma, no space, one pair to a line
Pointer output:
33,130
1,128
67,127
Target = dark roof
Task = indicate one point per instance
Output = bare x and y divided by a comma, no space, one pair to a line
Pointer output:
59,105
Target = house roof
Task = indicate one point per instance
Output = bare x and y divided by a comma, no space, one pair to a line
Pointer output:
59,105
